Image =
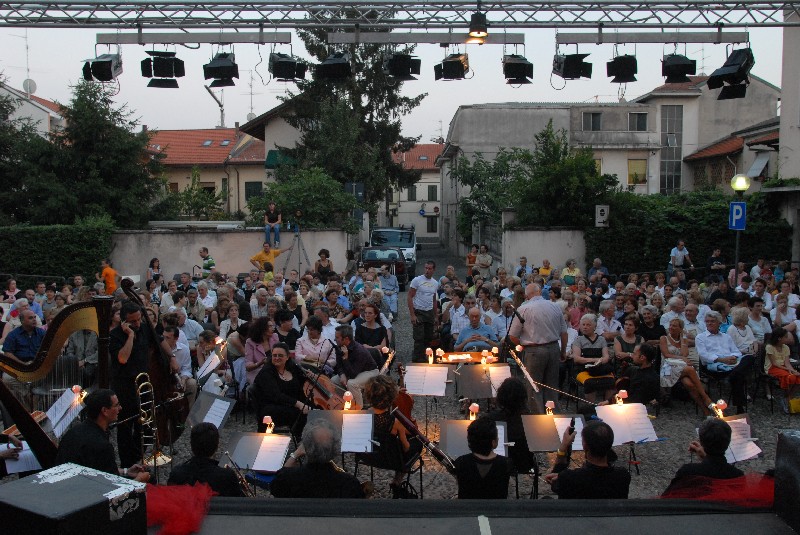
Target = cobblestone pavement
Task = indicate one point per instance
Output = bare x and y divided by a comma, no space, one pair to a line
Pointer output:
657,461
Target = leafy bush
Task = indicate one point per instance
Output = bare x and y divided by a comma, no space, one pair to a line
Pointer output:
643,229
56,250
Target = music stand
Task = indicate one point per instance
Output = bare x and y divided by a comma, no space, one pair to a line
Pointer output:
631,425
244,450
355,439
541,433
742,446
476,381
428,380
562,421
210,408
453,438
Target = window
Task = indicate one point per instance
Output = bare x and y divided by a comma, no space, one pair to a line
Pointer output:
433,224
637,122
252,189
637,172
209,187
173,187
592,121
671,149
423,158
225,142
412,193
207,143
432,193
598,164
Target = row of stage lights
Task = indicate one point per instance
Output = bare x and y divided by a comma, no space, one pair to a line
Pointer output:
163,69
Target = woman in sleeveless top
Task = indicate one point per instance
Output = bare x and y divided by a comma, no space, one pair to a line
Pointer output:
324,266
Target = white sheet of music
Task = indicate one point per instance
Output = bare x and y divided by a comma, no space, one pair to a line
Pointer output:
64,411
501,448
27,461
563,423
741,447
211,364
630,422
271,453
498,374
356,433
216,413
426,380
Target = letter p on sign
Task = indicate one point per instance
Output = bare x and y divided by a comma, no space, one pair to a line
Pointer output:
737,216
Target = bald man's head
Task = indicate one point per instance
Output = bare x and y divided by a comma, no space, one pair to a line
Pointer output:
533,290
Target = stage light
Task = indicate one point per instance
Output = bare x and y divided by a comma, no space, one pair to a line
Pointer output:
676,68
401,66
223,69
517,70
478,26
163,67
453,67
103,68
622,68
572,66
336,67
285,68
735,72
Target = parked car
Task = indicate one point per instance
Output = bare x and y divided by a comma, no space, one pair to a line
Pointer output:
375,257
403,237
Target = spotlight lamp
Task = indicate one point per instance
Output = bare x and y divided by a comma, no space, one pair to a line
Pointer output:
453,67
401,66
477,25
517,70
163,68
622,68
572,66
733,75
286,68
103,68
223,69
676,68
336,67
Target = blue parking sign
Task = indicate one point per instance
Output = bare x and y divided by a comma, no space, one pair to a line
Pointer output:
737,216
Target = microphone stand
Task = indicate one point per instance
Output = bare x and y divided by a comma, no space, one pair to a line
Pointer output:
507,344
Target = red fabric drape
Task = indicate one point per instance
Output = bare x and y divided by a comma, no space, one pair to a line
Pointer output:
178,509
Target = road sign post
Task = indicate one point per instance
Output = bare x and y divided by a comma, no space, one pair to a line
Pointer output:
737,219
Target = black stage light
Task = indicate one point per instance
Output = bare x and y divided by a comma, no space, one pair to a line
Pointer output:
517,70
478,26
572,66
676,68
164,83
222,82
103,68
735,73
453,67
221,67
622,68
163,67
733,91
401,66
336,67
285,68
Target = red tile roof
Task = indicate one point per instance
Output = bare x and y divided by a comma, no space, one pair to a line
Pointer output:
731,145
766,139
194,147
49,104
422,157
250,151
694,82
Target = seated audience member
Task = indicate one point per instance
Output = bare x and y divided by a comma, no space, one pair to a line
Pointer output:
476,336
591,361
714,439
597,478
202,467
354,364
314,348
482,474
777,364
317,477
512,400
287,334
88,443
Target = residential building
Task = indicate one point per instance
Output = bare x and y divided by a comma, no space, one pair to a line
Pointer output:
44,114
419,205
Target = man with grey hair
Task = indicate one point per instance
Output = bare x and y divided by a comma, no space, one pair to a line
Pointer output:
607,326
317,477
195,308
676,308
259,309
209,299
539,331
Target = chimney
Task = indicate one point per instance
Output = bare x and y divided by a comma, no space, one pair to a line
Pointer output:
236,127
144,128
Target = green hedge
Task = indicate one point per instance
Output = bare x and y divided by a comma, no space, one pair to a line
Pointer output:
643,229
56,250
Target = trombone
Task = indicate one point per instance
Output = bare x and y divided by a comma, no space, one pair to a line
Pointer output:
149,426
245,486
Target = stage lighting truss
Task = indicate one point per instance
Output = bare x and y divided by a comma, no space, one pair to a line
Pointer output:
222,69
162,68
733,75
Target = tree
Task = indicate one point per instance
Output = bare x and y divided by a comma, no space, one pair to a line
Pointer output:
198,202
370,102
321,200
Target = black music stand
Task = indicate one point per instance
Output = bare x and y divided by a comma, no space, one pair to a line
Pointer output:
210,408
453,438
427,389
474,381
244,447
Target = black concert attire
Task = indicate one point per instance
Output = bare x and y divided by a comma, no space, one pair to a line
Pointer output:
88,445
315,480
480,479
221,480
359,360
290,338
515,432
713,466
592,482
644,384
123,383
275,397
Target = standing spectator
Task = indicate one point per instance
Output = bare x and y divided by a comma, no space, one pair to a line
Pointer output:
472,256
82,346
715,265
272,223
390,287
108,276
679,258
324,266
351,267
423,310
209,265
154,268
266,254
483,262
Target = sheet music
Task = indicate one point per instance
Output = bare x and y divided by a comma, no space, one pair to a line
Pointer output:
271,453
211,364
426,380
741,447
563,423
27,461
66,408
356,433
216,413
211,387
630,422
501,448
498,374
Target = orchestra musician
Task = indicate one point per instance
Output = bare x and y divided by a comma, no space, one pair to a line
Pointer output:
202,467
278,391
482,474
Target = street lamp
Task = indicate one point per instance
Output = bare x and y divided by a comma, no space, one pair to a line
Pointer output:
739,184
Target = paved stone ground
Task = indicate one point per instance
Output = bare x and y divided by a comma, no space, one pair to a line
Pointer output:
658,461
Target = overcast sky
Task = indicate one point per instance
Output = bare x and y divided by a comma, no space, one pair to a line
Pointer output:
56,57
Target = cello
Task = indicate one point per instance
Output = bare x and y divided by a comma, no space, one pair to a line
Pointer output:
404,402
323,393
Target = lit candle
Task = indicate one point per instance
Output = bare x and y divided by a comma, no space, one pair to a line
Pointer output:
549,406
719,408
495,351
518,348
385,350
473,411
622,395
429,352
269,423
348,400
439,352
76,389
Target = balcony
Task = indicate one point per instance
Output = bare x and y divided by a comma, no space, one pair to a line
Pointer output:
604,139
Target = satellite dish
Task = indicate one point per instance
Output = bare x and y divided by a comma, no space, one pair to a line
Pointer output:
251,116
29,86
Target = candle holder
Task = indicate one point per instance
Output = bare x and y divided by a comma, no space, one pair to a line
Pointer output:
621,396
429,352
719,408
348,400
473,411
549,406
269,423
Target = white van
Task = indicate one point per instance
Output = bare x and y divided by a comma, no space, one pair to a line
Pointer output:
403,237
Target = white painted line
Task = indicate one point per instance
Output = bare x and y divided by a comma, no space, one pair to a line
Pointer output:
483,524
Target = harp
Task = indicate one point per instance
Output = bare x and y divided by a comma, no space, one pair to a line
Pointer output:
94,316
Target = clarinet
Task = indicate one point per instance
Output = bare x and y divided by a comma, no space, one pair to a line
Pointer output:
434,450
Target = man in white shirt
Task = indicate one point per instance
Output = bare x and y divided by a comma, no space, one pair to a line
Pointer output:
607,326
760,290
676,308
423,310
209,299
184,360
328,324
189,327
714,349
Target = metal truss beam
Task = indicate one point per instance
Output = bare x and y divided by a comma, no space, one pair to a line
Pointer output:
652,37
387,15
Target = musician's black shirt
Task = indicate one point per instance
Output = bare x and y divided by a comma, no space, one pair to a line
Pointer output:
315,480
137,363
593,482
221,480
88,445
481,479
